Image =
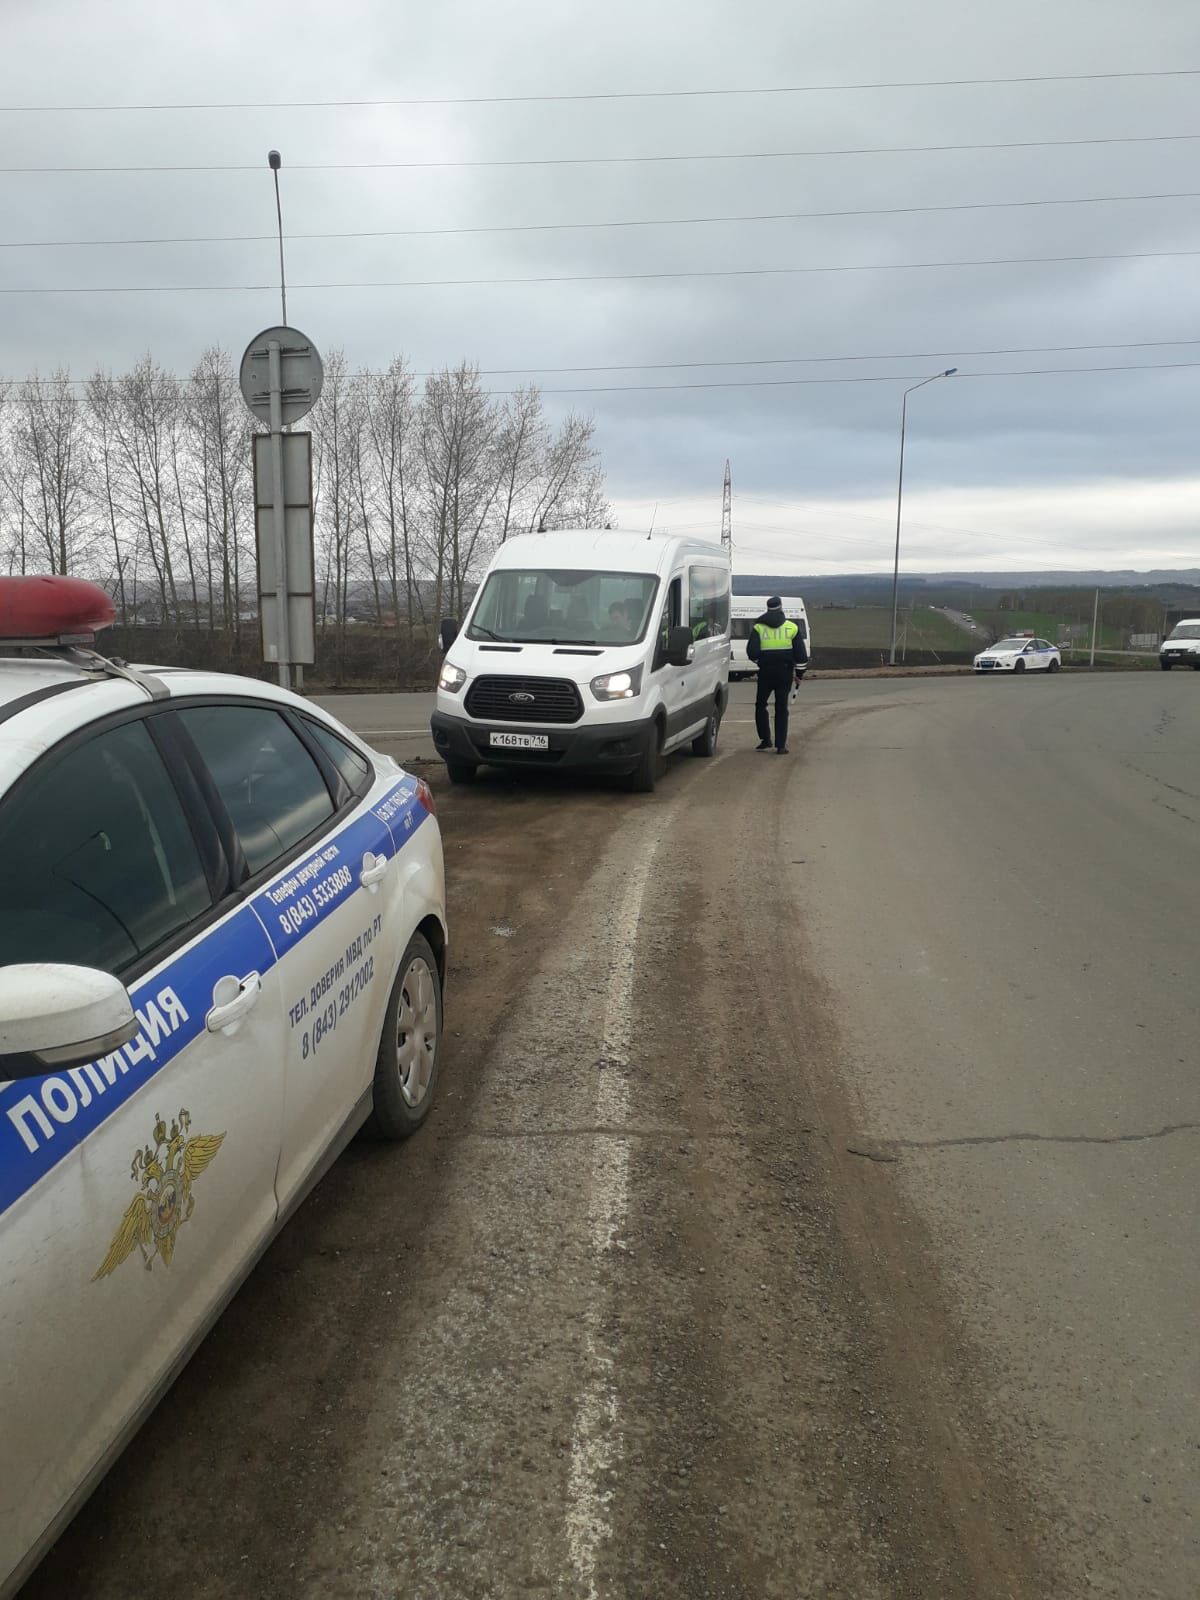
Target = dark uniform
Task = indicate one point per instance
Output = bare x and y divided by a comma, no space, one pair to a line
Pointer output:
778,647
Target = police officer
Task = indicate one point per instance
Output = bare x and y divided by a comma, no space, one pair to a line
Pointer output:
778,646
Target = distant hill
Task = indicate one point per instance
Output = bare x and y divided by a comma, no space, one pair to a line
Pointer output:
1172,587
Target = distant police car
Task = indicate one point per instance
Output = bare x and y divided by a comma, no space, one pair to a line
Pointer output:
222,937
1181,647
1020,653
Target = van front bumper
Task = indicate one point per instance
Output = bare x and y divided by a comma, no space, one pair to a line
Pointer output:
605,746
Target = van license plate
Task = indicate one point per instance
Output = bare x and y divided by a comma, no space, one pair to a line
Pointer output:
519,741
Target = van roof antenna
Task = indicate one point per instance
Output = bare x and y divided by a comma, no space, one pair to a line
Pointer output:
653,514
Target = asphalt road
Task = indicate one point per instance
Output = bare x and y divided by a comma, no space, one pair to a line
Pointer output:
809,1207
998,885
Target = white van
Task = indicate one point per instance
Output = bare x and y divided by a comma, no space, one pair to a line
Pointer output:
1181,647
745,612
587,649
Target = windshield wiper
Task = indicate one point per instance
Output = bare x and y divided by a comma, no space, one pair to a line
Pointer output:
478,627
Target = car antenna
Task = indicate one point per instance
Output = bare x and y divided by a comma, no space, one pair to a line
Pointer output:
653,514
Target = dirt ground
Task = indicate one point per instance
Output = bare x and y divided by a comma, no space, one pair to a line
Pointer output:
635,1315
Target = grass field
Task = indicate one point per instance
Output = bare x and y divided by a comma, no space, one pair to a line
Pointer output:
1046,626
870,627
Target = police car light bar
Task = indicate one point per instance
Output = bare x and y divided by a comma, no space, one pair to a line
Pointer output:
52,612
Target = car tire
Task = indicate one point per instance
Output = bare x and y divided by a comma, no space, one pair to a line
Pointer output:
1196,666
706,744
461,771
1165,665
1054,666
1020,667
644,777
406,1064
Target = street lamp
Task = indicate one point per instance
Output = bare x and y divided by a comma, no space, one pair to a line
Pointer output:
949,373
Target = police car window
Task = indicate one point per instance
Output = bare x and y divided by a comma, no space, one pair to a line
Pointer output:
268,782
100,866
354,768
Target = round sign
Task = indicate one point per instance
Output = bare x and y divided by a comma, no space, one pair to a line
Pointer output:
301,374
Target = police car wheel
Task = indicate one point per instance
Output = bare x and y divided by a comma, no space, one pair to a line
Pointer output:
706,744
1053,666
406,1067
1020,667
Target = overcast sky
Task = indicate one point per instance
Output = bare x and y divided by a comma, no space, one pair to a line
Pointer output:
1101,468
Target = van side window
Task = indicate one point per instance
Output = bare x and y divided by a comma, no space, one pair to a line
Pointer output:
671,612
708,602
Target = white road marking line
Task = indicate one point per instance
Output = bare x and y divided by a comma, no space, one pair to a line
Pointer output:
595,1442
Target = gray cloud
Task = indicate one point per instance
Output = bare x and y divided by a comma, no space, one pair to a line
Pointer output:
821,443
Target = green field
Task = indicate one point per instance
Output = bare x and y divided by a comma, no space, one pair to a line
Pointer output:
870,627
1046,625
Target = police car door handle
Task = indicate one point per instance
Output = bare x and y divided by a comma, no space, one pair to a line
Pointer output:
233,999
373,869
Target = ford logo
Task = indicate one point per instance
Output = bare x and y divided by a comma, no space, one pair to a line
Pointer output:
520,699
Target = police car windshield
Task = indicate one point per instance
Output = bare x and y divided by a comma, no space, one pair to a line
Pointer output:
1012,644
540,606
1186,630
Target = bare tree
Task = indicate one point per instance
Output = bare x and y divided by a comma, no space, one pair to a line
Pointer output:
49,446
389,422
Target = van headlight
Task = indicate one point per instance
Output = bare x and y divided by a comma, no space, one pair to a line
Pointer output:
451,678
625,685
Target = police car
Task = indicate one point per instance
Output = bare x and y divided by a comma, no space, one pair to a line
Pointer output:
222,945
1020,653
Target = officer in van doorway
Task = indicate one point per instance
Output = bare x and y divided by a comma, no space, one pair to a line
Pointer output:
778,646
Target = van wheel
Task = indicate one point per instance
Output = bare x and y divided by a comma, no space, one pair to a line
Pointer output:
645,775
1165,665
461,771
706,744
406,1066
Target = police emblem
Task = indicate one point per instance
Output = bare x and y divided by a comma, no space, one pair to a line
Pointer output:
164,1175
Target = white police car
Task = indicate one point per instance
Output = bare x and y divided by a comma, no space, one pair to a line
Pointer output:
222,941
1020,653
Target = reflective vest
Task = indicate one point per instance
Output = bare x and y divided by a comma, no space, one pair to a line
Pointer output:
776,638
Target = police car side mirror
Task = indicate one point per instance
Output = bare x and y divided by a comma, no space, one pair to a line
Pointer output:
448,632
679,647
56,1017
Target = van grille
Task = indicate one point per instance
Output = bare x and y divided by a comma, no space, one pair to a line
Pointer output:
497,699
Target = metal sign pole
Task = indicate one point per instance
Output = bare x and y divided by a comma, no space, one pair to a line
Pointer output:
280,513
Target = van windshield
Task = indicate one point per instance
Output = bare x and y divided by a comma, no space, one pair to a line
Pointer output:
541,606
1186,630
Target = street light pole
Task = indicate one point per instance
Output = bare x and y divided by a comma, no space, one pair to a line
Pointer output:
275,161
949,373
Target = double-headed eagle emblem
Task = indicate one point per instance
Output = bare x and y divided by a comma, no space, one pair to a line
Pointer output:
164,1202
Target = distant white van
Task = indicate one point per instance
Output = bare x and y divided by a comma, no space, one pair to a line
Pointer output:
587,649
745,612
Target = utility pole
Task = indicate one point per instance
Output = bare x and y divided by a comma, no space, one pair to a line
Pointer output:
1095,619
727,513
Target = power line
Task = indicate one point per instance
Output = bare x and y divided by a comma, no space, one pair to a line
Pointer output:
790,383
592,161
636,222
768,361
615,94
599,277
892,377
788,361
